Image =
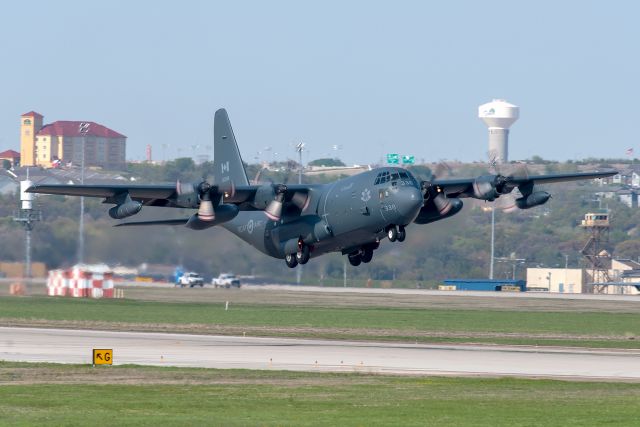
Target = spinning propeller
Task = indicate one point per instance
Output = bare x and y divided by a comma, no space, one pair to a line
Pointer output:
209,197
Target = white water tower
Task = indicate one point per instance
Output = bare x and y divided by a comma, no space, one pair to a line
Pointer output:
498,115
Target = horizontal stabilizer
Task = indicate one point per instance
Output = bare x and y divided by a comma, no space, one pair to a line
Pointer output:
179,221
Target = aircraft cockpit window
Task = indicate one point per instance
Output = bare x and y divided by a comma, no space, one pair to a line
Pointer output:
395,176
404,175
384,177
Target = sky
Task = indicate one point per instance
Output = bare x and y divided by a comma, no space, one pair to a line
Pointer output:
354,80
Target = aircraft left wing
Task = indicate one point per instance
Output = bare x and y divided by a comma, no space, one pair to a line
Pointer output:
489,187
442,196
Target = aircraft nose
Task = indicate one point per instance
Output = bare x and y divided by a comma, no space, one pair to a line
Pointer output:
409,203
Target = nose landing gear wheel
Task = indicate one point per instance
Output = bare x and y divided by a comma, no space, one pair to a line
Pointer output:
402,234
291,261
392,233
355,259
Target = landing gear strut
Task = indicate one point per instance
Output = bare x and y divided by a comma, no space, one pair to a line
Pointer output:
300,257
364,254
398,233
401,234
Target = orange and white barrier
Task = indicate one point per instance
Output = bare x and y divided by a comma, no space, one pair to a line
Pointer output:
80,283
57,283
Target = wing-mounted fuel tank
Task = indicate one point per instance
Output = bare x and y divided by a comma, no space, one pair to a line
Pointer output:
534,199
125,207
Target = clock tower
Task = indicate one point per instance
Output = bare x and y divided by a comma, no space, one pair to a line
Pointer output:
30,125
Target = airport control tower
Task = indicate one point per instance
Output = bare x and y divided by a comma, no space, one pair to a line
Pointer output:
498,115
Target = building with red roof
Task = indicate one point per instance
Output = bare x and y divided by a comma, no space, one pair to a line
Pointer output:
65,141
11,156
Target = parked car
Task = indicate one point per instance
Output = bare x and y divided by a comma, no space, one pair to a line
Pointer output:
191,279
226,280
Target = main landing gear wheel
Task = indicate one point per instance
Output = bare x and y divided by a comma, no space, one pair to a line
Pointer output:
401,234
392,233
355,259
302,256
367,255
291,261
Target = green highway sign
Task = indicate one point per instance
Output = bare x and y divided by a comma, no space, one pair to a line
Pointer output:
393,159
408,160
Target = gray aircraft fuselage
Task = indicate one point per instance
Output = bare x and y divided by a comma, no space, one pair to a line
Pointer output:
341,216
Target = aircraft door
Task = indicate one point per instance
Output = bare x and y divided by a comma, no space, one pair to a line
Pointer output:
337,207
384,193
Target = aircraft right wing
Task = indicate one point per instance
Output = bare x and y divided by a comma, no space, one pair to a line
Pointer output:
215,204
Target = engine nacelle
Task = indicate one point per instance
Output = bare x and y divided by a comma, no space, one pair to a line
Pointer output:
125,210
534,199
223,213
486,187
442,207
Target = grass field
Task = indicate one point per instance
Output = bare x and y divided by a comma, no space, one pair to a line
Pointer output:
37,394
515,326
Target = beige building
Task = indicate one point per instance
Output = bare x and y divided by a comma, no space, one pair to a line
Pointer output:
558,280
624,274
61,142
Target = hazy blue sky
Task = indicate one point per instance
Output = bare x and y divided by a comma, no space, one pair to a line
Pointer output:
373,77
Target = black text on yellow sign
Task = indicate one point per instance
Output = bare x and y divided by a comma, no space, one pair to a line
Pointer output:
102,356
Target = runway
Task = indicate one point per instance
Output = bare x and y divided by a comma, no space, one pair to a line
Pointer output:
75,346
434,292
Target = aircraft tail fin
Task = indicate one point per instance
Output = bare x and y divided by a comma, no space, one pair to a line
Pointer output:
227,163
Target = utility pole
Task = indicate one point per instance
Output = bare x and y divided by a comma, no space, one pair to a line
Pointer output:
514,263
84,129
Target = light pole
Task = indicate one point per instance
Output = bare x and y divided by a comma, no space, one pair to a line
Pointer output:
84,129
299,148
27,216
493,238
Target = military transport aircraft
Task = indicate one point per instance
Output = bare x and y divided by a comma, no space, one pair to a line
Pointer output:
299,222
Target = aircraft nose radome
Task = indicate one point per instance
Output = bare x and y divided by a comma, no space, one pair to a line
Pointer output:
409,204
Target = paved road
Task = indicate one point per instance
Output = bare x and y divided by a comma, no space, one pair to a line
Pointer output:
74,346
